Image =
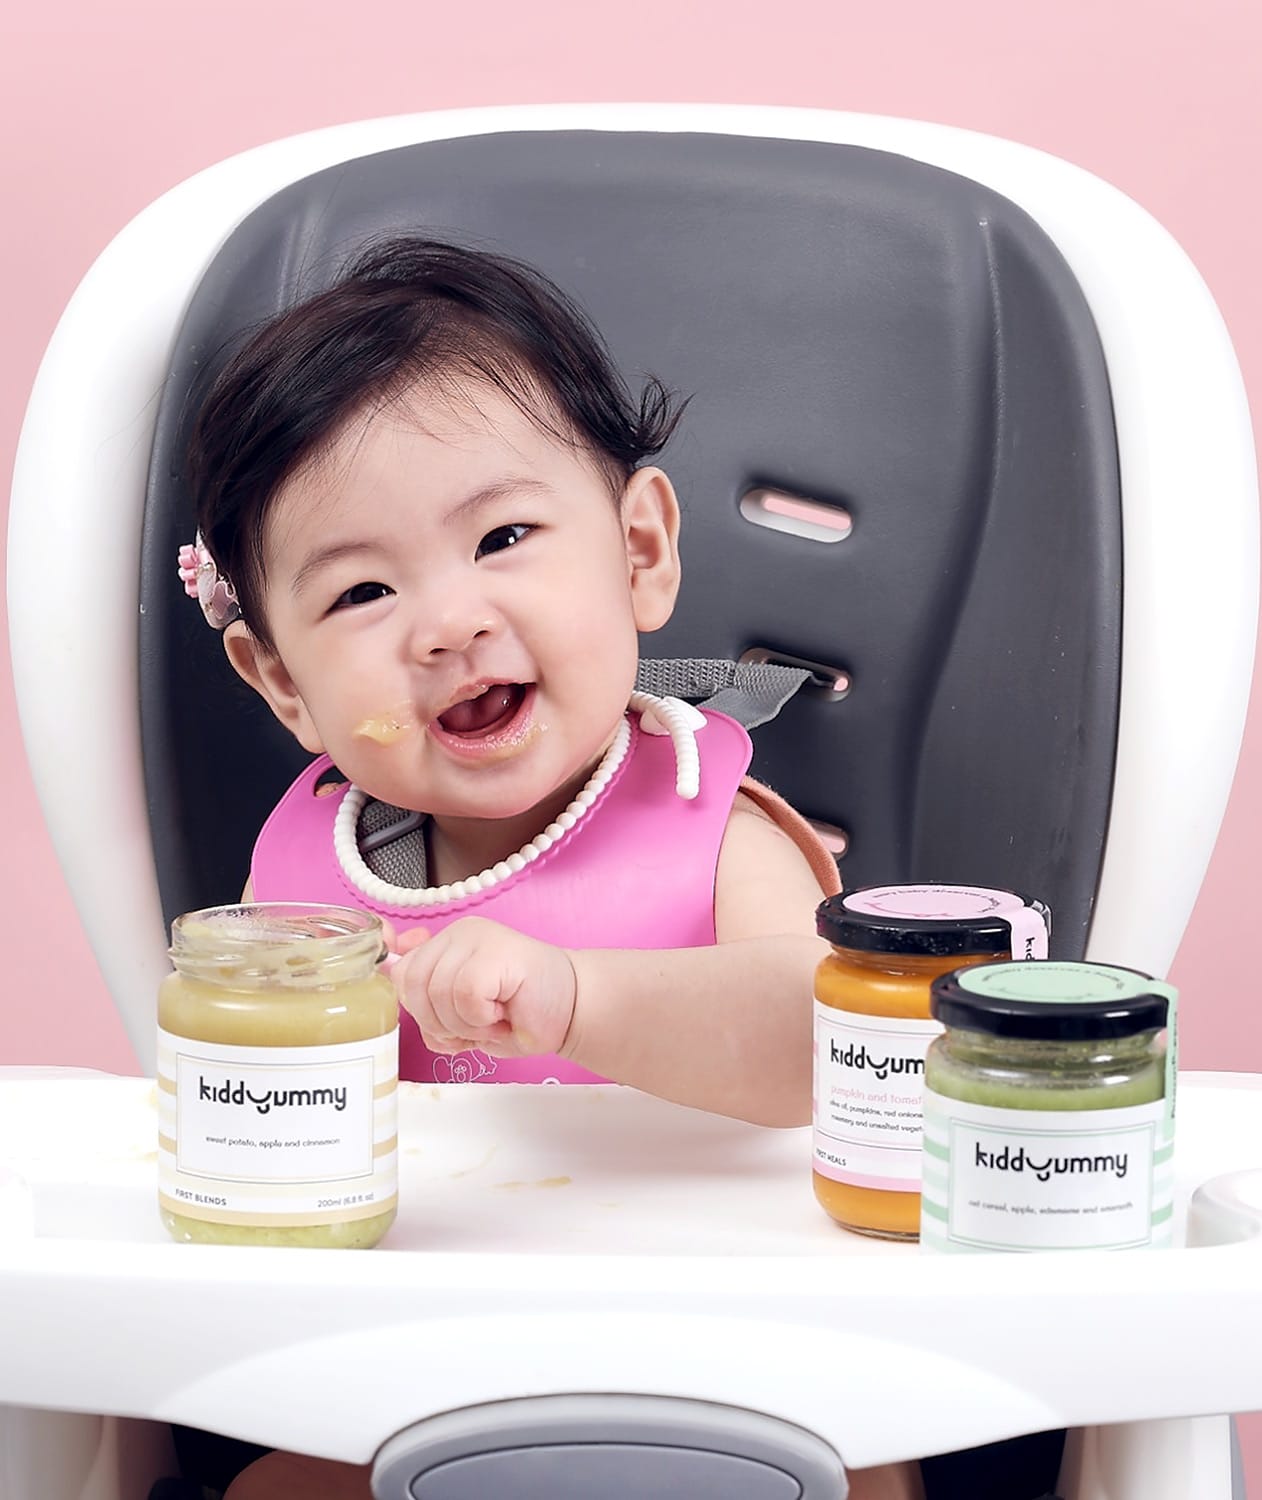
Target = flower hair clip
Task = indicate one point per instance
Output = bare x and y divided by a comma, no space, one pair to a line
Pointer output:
202,582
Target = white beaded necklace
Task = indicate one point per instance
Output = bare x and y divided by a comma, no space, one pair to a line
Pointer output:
671,715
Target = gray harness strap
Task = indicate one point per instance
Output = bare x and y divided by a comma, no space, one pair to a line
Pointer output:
749,692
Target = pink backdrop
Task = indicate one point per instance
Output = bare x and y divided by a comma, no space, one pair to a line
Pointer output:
102,108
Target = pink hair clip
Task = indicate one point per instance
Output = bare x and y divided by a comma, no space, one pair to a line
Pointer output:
202,582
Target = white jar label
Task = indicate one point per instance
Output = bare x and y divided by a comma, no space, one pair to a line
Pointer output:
1018,1179
869,1083
277,1135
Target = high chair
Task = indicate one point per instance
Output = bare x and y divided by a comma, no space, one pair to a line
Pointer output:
968,439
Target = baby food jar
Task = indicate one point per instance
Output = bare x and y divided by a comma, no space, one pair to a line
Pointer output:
1049,1109
873,1027
278,1049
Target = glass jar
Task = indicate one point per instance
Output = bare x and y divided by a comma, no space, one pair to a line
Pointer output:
873,1027
1049,1109
278,1048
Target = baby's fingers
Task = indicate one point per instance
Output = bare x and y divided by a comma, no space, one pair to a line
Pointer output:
468,990
467,984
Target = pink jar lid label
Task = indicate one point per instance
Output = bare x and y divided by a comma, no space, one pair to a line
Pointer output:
958,903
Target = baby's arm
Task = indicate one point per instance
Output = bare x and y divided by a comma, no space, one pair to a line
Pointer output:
724,1028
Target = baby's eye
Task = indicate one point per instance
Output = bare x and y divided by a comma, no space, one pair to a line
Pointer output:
502,538
361,593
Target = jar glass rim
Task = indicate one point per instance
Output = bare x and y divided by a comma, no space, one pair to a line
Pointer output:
272,936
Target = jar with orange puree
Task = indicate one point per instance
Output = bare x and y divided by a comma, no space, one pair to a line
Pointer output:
873,1028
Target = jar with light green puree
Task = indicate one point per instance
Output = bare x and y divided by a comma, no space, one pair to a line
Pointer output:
1049,1109
277,1078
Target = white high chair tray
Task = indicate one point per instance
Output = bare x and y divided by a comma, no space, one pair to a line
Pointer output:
593,1238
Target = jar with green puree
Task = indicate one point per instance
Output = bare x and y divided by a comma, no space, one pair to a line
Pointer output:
278,1062
1049,1109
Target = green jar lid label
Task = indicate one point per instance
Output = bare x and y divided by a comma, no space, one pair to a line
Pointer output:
1058,983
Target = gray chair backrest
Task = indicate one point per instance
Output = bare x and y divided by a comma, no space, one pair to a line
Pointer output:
854,328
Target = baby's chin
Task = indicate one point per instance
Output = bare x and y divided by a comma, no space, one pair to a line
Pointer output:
491,806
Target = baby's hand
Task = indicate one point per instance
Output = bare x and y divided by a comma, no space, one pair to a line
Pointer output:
478,984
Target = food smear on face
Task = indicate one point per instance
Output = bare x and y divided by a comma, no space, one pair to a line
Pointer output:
389,727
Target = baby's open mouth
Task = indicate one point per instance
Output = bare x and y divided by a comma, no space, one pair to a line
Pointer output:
492,709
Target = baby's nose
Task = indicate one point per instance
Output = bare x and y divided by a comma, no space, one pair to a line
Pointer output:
452,626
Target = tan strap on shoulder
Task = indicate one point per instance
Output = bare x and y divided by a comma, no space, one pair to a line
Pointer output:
789,821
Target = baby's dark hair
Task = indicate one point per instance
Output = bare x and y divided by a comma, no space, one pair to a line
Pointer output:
406,310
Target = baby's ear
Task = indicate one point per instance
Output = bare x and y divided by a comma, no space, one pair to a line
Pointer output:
650,525
263,669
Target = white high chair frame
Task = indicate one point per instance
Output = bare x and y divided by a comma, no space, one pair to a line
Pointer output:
89,1312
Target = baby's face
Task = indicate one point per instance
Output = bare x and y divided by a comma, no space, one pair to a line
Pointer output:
450,593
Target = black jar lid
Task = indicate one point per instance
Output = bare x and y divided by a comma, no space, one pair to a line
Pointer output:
942,921
1051,1001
